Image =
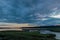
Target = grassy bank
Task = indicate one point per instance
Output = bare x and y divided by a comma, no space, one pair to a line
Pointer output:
17,35
56,29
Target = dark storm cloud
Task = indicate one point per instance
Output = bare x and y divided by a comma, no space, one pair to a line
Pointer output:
25,10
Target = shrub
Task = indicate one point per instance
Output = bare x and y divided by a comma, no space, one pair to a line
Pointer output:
17,35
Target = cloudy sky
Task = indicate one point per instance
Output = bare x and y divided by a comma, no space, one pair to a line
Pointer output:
41,12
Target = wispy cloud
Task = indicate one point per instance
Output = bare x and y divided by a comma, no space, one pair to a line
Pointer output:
55,13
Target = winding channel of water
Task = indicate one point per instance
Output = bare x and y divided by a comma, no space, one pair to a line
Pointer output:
50,32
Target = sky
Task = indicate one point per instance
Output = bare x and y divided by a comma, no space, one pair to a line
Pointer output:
41,12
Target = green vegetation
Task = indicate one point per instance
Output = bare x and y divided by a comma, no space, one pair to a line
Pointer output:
54,29
17,35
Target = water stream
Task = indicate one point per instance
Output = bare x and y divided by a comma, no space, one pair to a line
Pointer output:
50,32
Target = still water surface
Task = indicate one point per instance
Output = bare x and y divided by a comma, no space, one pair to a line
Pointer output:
50,32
